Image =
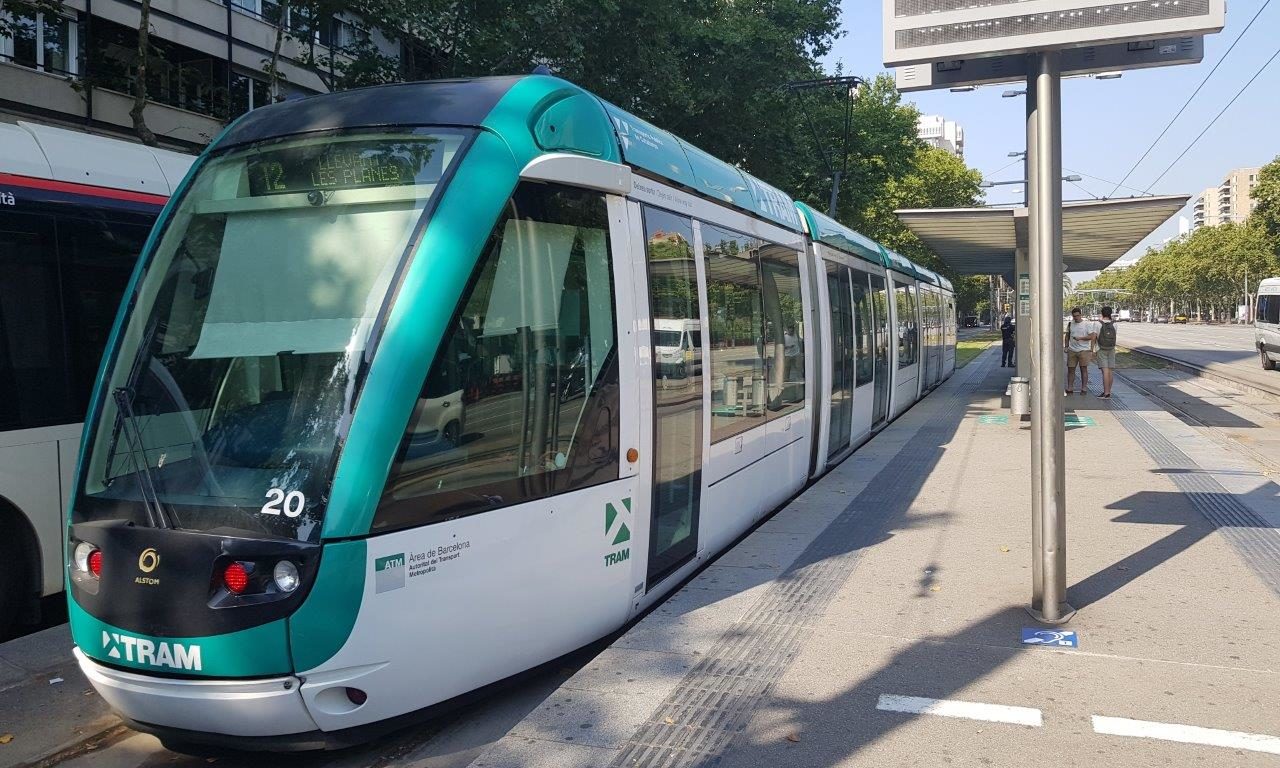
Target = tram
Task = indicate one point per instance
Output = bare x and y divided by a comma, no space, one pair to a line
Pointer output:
420,386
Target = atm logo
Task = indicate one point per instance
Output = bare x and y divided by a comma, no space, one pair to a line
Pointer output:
156,654
617,532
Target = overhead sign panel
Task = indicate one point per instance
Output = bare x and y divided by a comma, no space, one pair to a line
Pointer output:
918,31
1091,59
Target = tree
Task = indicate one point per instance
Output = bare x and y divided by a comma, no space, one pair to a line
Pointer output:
16,17
935,178
1266,214
136,113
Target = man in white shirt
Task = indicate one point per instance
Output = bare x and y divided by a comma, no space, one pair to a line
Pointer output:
1078,342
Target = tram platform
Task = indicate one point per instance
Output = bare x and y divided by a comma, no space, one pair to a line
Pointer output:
878,619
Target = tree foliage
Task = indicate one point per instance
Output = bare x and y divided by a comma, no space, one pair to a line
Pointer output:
1266,214
1201,273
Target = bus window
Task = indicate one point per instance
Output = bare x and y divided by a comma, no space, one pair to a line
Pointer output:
33,382
534,409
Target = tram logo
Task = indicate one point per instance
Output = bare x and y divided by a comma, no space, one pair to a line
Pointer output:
617,531
388,573
140,650
148,560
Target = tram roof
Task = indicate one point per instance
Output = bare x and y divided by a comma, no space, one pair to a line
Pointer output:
565,119
832,233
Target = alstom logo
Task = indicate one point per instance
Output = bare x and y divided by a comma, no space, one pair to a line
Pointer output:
157,654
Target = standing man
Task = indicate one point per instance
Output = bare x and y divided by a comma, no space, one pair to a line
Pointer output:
1008,342
1078,342
1107,350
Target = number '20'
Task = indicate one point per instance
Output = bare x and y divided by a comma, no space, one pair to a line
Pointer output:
292,502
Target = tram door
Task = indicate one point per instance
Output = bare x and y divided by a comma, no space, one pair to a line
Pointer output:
880,306
842,358
677,391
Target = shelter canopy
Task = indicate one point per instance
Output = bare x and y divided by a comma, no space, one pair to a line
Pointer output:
982,241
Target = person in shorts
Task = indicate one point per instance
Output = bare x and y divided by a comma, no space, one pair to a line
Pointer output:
1078,342
1106,356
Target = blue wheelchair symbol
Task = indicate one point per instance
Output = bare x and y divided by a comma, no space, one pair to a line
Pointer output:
1060,638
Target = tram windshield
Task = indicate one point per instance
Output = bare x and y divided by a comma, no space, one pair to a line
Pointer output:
237,367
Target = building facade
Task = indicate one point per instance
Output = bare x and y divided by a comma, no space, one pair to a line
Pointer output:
1232,200
76,69
937,131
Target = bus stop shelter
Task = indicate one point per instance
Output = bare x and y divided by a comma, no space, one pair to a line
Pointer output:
994,241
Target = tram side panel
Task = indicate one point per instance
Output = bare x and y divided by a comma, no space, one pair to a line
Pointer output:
451,605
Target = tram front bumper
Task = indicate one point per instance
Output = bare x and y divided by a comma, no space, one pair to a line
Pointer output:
264,707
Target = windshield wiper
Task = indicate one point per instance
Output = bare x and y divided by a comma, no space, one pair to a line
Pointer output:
146,481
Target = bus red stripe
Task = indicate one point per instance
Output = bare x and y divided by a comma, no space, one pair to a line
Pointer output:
82,189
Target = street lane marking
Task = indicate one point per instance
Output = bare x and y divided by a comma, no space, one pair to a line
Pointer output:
1187,734
969,710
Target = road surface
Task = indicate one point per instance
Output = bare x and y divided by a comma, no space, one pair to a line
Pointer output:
1222,349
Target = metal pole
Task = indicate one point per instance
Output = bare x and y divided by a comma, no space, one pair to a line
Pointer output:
1046,266
1030,199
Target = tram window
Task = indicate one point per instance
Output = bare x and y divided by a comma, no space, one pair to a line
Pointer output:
862,310
96,257
521,401
737,346
908,332
33,385
783,328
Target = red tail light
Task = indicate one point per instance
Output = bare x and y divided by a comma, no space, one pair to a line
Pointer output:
236,578
95,562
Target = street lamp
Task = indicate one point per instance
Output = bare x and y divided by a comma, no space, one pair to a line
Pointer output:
990,184
850,84
1011,94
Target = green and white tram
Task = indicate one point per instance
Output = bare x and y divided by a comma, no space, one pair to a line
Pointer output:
419,386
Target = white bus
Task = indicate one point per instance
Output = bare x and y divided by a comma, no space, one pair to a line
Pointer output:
75,210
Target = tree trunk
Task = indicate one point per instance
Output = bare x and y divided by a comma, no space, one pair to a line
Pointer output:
140,81
274,67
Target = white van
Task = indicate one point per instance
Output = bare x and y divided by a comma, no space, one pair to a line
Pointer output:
1266,322
677,347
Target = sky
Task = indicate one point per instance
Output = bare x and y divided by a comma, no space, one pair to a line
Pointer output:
1108,124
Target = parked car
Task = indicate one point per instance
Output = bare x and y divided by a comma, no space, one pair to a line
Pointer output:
1162,318
1180,319
971,321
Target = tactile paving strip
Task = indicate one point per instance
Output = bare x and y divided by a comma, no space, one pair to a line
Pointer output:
696,724
1256,541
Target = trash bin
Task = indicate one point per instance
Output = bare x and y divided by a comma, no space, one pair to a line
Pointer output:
1019,396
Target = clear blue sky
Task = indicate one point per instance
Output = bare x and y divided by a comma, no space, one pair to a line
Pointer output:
1108,124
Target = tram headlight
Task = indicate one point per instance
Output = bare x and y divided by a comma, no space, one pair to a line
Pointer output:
286,576
80,556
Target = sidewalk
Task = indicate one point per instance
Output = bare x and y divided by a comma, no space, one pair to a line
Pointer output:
829,635
46,704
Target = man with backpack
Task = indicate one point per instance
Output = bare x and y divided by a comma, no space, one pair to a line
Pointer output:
1106,350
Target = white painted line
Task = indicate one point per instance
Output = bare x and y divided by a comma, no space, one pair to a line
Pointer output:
969,710
1187,734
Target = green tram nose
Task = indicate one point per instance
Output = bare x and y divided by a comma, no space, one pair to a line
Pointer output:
187,603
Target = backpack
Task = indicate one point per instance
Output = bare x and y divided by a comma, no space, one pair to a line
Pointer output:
1107,336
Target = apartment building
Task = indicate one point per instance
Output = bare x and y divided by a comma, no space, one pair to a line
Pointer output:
937,131
1232,200
76,69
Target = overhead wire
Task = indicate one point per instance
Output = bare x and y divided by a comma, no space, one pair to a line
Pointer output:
1221,112
1187,103
1104,181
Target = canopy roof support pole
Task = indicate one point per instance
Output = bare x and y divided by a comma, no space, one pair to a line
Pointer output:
1048,370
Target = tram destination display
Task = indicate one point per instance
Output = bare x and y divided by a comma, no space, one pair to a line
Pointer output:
344,165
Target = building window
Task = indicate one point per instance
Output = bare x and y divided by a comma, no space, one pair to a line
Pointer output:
46,42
